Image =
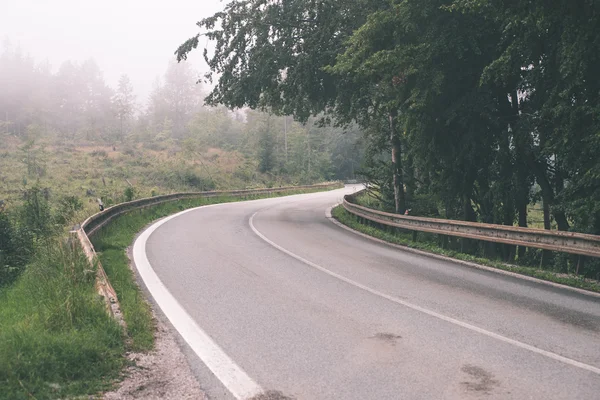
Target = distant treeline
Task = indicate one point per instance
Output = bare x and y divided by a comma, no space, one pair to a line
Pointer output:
75,105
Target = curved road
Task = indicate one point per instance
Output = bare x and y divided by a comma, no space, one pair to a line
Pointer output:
274,296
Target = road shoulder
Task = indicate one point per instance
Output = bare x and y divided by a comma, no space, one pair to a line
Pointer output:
163,373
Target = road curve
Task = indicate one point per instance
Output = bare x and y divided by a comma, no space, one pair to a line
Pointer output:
274,296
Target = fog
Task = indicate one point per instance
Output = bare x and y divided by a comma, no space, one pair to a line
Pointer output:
132,37
93,102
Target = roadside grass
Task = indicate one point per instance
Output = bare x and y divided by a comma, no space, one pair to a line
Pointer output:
111,243
56,339
405,238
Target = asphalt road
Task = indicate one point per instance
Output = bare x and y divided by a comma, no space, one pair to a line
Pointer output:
309,309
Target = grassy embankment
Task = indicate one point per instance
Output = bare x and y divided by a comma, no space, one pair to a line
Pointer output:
90,170
428,243
56,340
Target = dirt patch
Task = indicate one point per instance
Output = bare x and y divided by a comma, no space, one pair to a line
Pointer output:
480,380
272,395
388,338
160,374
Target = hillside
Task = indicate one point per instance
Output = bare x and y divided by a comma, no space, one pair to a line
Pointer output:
92,171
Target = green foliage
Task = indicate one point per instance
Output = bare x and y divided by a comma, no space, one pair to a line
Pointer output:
33,157
30,225
36,214
271,54
68,206
15,250
129,193
56,339
266,155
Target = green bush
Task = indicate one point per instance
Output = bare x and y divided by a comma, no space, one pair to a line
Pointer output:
67,207
16,248
8,269
185,179
129,193
36,214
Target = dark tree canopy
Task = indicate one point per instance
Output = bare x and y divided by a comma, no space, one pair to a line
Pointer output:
272,54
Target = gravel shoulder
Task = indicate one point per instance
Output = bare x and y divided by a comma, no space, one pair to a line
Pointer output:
163,373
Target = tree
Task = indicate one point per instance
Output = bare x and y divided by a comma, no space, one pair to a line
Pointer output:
82,101
266,155
124,101
177,98
549,57
182,95
97,104
270,55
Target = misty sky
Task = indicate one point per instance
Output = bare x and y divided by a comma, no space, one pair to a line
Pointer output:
135,37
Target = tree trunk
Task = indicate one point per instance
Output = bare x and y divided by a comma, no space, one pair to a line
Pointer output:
508,207
546,207
522,208
285,141
559,215
399,197
309,150
469,214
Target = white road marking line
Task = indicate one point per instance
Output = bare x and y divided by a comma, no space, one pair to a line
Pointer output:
434,314
221,365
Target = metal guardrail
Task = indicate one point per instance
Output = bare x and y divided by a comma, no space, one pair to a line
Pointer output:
97,221
568,242
91,226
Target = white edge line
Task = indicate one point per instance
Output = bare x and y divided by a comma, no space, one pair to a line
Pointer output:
220,364
461,262
426,311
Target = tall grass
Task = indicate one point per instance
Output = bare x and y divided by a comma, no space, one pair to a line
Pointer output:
56,339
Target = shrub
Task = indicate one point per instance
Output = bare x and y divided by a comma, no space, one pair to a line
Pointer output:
129,193
67,207
16,248
35,212
99,153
